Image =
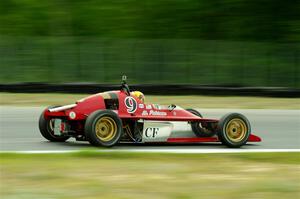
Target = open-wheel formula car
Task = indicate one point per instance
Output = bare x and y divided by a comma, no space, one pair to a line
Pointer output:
107,118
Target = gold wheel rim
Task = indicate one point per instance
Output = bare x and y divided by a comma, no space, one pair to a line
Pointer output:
236,130
106,129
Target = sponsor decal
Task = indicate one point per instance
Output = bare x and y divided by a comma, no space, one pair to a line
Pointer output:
148,106
151,132
157,113
141,105
130,104
145,112
153,113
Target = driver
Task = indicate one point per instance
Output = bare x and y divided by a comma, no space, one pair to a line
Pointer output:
138,95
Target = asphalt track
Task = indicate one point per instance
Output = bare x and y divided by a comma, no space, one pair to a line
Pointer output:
279,129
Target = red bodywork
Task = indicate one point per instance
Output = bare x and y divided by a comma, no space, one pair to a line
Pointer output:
95,102
131,108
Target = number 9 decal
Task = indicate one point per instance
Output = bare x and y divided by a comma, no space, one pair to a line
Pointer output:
130,104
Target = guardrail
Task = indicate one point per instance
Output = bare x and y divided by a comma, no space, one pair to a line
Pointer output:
152,89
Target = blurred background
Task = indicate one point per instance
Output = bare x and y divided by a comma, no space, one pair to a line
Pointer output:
250,43
232,42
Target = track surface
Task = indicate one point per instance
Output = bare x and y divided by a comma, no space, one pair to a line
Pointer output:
279,129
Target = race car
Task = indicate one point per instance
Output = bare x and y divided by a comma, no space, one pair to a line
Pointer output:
112,117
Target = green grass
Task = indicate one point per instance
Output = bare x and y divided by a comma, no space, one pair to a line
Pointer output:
44,99
138,175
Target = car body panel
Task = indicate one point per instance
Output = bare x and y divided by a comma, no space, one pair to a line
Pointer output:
252,138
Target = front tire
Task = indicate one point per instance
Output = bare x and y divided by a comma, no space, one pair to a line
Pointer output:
198,128
103,128
46,129
234,130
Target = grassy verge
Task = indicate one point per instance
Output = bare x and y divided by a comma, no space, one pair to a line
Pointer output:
137,175
45,99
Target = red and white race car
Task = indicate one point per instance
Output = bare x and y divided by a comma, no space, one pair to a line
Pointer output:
107,118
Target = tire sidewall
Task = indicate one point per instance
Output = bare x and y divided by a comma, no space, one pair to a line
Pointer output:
90,126
222,130
195,125
195,112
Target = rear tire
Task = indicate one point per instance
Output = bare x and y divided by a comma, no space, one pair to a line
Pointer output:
197,127
103,128
234,130
46,129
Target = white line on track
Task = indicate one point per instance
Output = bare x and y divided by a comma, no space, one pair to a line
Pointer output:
181,151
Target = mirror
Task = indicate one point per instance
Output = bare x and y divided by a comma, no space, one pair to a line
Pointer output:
171,107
